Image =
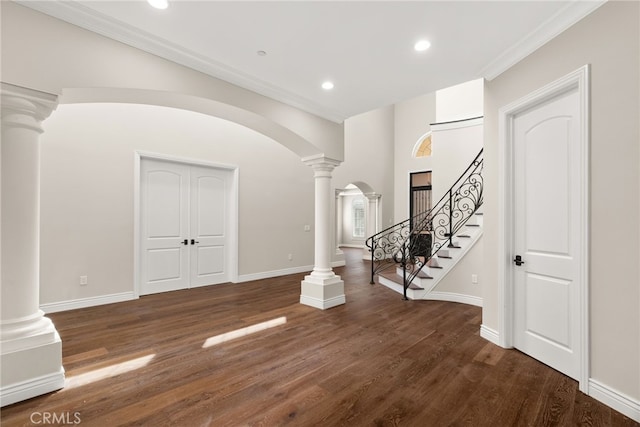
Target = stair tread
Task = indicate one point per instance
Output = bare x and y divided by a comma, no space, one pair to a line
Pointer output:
464,236
444,256
472,225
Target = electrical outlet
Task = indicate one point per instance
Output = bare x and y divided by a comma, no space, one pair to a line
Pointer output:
83,281
290,257
307,228
474,278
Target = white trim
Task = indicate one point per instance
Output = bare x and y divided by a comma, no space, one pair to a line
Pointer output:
322,304
274,273
34,387
454,297
349,245
341,263
565,18
97,22
489,334
619,401
233,244
54,307
457,124
578,79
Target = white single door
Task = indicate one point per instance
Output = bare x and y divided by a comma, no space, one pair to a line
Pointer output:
164,208
547,232
210,189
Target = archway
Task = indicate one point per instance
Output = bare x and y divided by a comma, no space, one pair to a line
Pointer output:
357,216
261,124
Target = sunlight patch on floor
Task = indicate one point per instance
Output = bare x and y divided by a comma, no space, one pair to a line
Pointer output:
228,336
107,371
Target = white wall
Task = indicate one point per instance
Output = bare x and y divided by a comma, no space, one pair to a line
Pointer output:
87,192
609,40
369,156
460,102
412,120
453,151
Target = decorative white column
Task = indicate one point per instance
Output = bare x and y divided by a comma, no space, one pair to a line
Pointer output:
31,349
372,220
338,259
322,288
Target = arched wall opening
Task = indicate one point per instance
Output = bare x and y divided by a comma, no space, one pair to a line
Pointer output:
258,123
88,182
358,213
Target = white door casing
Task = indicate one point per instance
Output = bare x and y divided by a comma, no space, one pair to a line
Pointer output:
186,234
544,219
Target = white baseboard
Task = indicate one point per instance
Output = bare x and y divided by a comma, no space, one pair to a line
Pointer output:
453,297
489,334
614,399
274,273
32,388
350,245
338,263
54,307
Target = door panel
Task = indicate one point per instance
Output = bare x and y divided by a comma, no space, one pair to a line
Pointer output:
164,194
209,206
547,233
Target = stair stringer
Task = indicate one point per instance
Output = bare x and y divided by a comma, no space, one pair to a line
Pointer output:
428,285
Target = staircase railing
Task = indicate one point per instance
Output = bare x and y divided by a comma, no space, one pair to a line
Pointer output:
413,242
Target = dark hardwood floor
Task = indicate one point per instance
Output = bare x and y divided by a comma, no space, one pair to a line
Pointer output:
378,360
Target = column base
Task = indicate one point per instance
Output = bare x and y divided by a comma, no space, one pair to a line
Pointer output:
322,292
31,365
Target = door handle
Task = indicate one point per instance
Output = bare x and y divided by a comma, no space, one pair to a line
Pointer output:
184,242
193,241
518,260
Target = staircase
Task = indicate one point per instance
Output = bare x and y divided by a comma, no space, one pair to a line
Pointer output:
411,257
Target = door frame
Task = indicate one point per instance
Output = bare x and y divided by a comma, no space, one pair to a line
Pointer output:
579,80
232,212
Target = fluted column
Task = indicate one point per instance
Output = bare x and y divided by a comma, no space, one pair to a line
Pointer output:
322,288
31,350
372,220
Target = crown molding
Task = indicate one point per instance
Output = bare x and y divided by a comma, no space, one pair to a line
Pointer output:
84,17
552,27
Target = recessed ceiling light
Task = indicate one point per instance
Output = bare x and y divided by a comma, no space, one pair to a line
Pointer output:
327,85
422,45
159,4
261,53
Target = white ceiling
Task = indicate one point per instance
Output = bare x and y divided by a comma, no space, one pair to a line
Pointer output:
364,47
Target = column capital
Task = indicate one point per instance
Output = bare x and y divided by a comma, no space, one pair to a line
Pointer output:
319,162
24,107
372,196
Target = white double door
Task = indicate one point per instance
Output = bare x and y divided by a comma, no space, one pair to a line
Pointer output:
548,240
184,217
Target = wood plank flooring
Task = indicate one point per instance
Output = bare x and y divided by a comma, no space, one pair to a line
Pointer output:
376,361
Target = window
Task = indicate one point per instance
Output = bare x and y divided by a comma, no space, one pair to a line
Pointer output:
357,208
423,146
